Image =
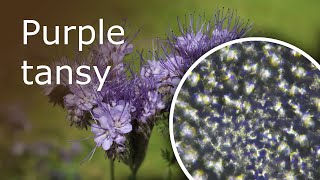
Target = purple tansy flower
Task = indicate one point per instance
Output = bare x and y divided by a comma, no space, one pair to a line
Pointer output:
196,39
154,69
222,34
113,123
177,66
152,105
199,36
166,73
79,102
67,85
191,41
83,102
118,87
145,98
102,135
191,44
82,96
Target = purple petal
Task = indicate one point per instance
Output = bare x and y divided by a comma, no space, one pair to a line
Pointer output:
85,106
96,129
105,121
107,144
69,100
97,112
126,128
99,139
116,112
120,139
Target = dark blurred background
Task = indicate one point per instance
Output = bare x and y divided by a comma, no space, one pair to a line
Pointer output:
34,135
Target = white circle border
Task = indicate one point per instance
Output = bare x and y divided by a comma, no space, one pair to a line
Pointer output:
194,65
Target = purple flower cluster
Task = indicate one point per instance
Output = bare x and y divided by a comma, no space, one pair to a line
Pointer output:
122,114
126,102
198,37
195,39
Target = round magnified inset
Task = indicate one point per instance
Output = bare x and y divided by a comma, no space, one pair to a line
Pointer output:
249,109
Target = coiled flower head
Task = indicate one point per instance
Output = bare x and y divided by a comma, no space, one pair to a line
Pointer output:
199,36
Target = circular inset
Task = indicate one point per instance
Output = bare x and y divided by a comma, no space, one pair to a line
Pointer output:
249,109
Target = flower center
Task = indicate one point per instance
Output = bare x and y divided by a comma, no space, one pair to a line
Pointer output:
117,124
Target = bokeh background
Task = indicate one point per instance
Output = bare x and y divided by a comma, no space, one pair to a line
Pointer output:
35,136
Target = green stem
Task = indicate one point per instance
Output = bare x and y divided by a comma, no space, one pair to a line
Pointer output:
133,174
112,170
